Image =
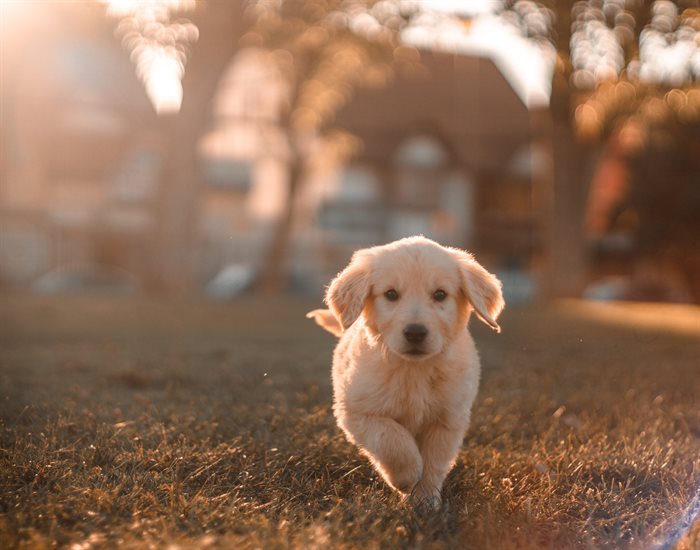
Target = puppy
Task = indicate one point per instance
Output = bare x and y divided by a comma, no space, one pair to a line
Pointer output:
405,370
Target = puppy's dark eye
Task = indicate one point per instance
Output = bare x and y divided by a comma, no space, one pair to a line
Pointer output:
439,295
391,295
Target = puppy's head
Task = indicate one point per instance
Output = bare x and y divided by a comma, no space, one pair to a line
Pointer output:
414,294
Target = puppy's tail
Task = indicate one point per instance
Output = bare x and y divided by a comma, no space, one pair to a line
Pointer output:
325,319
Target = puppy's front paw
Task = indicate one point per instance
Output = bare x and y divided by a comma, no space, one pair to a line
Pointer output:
426,496
403,475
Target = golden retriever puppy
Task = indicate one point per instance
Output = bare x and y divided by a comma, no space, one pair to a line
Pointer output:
405,370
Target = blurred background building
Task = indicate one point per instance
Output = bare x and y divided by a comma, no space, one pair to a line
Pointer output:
222,147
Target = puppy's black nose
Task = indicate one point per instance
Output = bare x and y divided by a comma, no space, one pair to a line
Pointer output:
415,333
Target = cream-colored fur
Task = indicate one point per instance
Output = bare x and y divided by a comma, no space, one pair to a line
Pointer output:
407,405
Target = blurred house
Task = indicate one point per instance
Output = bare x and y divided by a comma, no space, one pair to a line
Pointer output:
447,152
78,162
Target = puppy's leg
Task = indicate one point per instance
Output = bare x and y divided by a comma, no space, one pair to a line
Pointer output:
389,446
439,447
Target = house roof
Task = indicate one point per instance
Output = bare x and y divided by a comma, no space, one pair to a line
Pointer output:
464,101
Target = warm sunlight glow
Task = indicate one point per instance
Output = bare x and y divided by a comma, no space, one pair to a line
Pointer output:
11,11
162,80
158,46
527,66
669,48
140,7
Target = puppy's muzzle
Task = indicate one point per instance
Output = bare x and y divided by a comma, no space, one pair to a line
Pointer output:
415,333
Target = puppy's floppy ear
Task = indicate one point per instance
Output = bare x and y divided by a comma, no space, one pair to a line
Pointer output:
347,292
482,289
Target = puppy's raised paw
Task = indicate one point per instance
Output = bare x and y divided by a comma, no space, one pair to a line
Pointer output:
405,476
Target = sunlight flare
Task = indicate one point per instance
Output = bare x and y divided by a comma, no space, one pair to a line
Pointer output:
157,46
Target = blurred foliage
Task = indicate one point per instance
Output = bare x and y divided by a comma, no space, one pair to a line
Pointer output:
324,50
625,84
620,58
158,43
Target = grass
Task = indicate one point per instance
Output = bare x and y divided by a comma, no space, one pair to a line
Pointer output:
144,424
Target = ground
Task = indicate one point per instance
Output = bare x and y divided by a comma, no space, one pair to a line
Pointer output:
145,423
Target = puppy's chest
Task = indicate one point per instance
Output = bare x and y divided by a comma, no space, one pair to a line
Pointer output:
414,398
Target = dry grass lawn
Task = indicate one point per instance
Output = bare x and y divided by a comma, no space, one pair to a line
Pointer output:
135,423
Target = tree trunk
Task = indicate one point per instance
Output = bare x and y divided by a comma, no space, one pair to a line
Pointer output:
176,208
565,240
221,24
274,277
565,199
